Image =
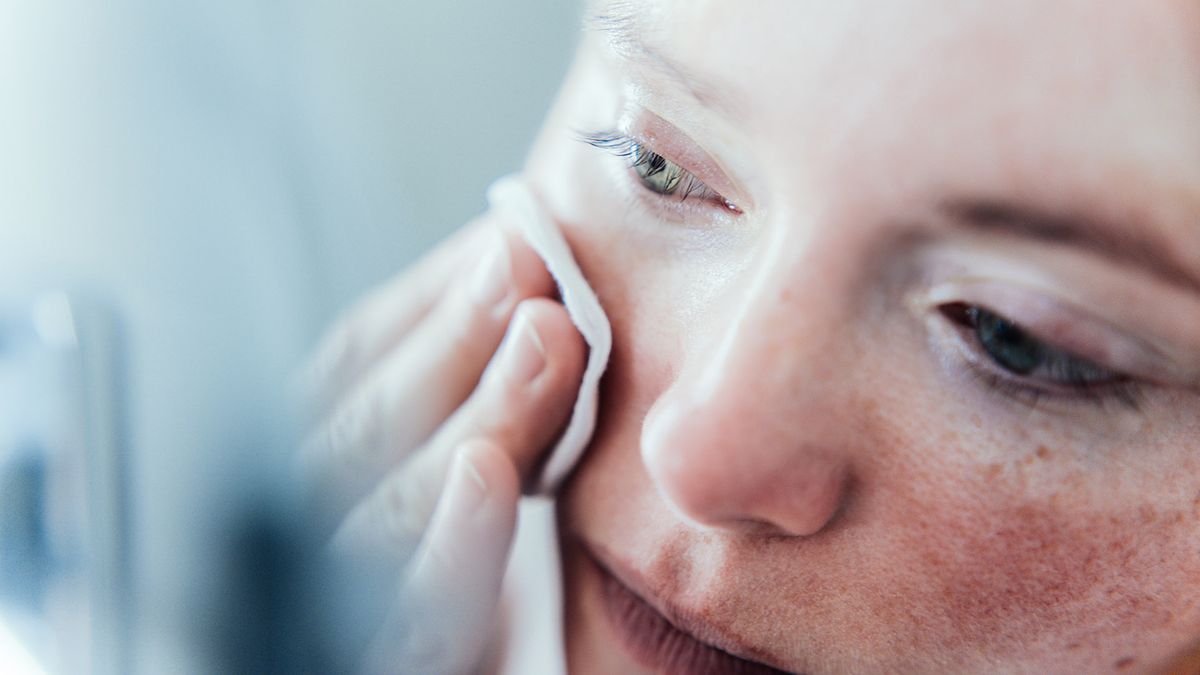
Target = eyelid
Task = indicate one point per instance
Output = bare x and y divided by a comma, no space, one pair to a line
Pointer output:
1062,327
640,153
667,140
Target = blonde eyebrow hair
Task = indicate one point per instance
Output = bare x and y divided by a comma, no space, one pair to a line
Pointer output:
1139,244
619,17
626,25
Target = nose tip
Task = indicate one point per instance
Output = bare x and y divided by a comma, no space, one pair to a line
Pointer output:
722,469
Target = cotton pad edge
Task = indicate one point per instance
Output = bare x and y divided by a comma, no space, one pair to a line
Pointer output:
512,196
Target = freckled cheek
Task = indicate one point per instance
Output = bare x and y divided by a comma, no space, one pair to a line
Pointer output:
1007,573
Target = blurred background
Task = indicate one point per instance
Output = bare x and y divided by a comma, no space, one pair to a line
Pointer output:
189,192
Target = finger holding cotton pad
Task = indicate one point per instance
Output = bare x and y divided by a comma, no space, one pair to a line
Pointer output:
513,197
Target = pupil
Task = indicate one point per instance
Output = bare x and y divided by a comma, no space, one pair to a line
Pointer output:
1008,345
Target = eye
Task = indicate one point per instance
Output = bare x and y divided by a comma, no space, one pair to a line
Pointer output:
1010,347
657,173
654,172
1015,351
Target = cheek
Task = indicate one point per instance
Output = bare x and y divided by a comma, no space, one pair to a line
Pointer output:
975,560
660,304
1019,574
1049,551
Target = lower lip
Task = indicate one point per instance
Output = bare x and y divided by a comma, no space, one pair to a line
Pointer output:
656,644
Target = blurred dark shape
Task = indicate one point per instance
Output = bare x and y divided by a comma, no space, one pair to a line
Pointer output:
288,606
24,550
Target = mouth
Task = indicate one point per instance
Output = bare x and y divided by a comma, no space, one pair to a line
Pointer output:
667,641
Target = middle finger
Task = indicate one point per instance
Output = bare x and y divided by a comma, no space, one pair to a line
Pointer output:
427,376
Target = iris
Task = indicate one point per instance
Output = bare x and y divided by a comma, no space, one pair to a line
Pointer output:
656,172
1008,345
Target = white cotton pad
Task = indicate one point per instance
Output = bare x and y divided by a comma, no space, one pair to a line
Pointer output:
512,196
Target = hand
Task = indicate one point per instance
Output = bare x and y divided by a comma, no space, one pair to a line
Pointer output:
438,395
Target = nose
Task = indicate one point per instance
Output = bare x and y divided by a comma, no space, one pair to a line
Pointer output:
750,437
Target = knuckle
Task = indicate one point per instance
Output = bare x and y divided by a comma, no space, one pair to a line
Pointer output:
405,504
352,433
323,370
464,327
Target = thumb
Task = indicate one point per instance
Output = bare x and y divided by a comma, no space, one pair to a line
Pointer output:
449,596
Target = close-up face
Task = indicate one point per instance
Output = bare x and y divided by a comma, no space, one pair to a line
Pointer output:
905,301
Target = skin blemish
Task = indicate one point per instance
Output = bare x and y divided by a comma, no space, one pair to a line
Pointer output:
1147,514
1124,663
1043,452
993,471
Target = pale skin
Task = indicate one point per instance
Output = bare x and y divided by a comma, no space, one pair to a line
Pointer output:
823,462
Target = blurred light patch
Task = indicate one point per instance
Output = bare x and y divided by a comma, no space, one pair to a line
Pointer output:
15,659
53,321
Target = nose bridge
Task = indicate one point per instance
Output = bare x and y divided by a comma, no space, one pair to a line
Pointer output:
740,436
773,337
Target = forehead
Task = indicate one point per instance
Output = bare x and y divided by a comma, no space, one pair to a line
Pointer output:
1107,83
820,47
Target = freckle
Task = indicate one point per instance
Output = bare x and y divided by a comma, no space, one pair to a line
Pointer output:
1147,514
1073,646
993,471
1124,663
870,407
1043,452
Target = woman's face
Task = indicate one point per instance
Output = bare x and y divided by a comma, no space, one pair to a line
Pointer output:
906,311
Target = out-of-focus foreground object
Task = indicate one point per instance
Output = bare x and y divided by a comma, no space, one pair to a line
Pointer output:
63,523
212,181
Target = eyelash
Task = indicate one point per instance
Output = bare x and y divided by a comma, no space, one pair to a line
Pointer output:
639,156
1070,379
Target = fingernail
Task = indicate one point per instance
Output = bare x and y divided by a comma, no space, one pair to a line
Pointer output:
471,485
492,280
524,355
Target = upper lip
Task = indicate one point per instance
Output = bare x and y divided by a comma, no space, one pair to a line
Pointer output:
685,620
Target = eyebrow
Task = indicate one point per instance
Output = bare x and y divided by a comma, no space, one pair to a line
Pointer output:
1131,244
625,27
